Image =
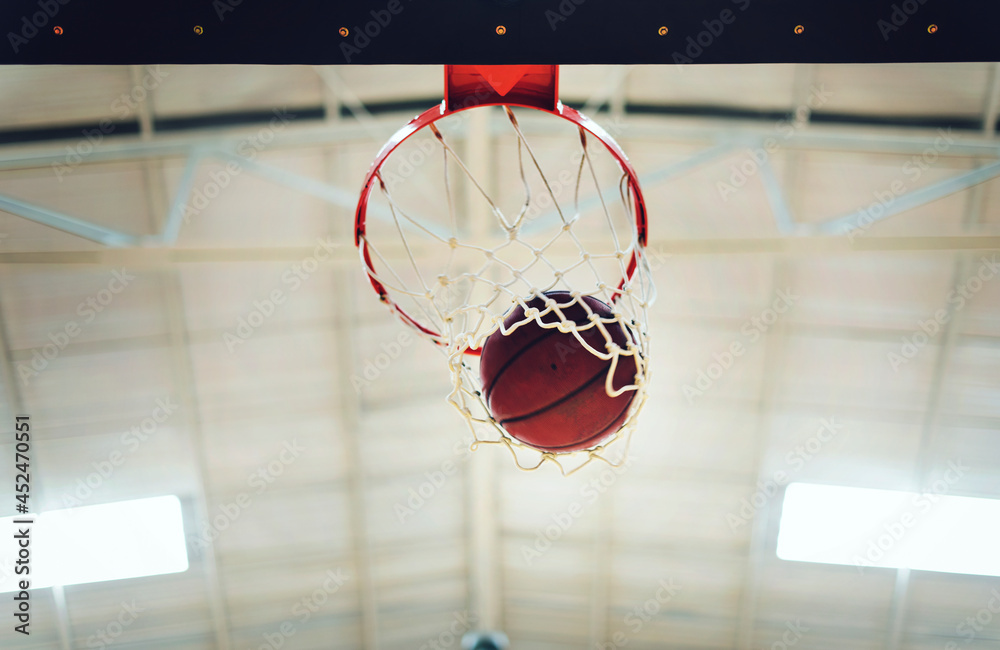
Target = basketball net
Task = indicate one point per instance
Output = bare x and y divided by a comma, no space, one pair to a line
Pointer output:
454,280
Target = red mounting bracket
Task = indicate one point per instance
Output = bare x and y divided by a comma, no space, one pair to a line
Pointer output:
466,86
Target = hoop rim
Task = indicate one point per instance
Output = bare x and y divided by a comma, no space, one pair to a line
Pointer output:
441,111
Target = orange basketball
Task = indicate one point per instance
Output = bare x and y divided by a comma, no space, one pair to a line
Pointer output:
546,388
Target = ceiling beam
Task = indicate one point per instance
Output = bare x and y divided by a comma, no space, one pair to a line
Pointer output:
600,589
313,134
346,325
11,385
963,269
64,627
344,252
186,384
485,597
897,609
350,432
771,371
803,85
145,109
991,108
179,145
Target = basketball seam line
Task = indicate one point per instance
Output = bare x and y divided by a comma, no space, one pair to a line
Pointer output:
602,433
505,366
564,398
551,331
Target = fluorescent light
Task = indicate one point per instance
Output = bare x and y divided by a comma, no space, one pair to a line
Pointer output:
113,541
860,527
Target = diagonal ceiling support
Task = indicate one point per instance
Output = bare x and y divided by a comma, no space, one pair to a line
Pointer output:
175,215
180,145
291,180
776,198
66,223
913,199
347,98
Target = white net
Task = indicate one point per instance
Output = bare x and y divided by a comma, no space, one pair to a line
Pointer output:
455,262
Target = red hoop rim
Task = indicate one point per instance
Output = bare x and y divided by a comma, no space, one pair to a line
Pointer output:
441,111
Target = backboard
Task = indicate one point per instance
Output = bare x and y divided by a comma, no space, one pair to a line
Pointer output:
499,32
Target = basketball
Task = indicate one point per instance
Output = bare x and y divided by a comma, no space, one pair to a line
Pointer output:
545,388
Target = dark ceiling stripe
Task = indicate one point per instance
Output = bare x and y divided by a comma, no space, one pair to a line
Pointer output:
311,113
65,132
234,118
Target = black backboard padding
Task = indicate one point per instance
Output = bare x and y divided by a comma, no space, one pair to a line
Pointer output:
464,31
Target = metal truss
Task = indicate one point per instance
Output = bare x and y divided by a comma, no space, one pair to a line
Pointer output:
196,152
